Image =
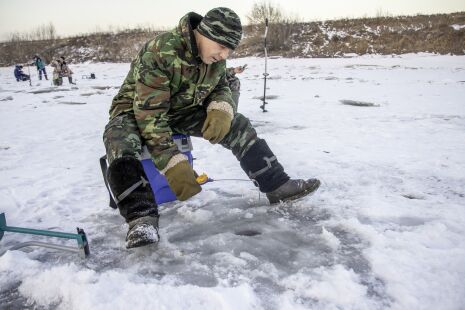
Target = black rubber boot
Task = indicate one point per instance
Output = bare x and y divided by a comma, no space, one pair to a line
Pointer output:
293,189
134,198
261,165
142,231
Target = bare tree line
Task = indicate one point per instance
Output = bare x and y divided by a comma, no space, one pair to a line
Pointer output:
43,32
48,32
287,36
281,26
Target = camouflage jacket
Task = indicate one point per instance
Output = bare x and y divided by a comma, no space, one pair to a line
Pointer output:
56,69
60,69
168,81
65,70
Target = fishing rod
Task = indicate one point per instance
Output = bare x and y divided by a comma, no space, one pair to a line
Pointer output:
29,72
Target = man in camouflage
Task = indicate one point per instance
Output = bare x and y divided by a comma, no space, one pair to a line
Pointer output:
176,84
57,77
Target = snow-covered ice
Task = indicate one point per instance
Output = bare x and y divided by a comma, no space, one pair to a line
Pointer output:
386,230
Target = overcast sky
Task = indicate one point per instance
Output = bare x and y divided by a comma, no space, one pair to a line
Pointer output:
82,16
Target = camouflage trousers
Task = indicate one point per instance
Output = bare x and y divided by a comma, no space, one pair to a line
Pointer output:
235,87
122,136
235,96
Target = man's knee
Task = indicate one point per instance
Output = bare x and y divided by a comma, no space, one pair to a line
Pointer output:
122,137
235,97
241,136
240,123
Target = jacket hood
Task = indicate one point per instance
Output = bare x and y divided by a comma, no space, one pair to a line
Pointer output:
186,27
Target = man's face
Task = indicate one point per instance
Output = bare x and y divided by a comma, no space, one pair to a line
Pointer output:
211,51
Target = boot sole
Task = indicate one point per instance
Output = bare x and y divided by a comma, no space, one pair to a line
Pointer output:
141,237
140,244
308,192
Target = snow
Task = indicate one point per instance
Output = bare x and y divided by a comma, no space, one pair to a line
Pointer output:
384,231
336,285
458,27
330,33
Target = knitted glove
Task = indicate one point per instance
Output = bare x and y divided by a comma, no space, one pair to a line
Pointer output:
181,180
218,121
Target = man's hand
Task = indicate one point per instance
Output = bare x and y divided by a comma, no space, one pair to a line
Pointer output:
240,69
182,181
216,126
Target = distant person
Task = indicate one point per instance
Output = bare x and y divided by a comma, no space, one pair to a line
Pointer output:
66,71
57,77
234,82
40,65
19,74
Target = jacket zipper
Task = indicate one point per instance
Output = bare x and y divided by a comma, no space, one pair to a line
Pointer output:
201,79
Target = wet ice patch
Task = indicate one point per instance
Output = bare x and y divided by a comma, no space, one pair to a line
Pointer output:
358,103
247,232
71,102
7,98
269,97
91,93
52,90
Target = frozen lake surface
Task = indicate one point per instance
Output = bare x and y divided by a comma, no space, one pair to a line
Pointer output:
386,229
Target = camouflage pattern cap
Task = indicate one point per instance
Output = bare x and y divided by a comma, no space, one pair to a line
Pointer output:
223,26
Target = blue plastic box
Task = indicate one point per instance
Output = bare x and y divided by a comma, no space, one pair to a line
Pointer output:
160,187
